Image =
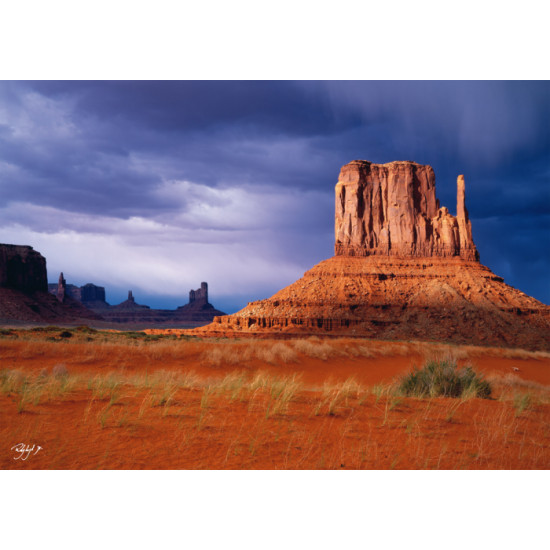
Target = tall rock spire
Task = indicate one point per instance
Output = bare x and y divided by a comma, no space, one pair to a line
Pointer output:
464,224
61,288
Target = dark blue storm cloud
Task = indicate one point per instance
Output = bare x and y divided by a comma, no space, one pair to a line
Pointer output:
245,171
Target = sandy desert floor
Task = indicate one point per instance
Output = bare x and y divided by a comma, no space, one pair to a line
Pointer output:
101,399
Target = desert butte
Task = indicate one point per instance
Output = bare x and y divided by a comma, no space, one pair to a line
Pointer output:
404,268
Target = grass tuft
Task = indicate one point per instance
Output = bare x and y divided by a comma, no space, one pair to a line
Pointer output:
522,402
444,378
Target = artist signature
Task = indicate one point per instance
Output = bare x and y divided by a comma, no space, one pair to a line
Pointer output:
25,450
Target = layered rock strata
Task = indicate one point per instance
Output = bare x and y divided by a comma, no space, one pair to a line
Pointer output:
444,299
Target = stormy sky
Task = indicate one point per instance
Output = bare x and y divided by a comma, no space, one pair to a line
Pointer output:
157,186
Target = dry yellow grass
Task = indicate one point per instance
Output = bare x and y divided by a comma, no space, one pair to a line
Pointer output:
240,417
124,349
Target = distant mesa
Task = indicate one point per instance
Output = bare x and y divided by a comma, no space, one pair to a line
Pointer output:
199,296
404,268
197,312
198,305
22,268
24,296
27,298
91,296
129,305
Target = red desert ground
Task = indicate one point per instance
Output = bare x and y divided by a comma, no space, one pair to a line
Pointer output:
401,351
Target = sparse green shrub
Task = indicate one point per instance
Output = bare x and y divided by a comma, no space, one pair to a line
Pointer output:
445,378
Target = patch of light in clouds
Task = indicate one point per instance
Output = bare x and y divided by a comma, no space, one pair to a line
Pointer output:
220,235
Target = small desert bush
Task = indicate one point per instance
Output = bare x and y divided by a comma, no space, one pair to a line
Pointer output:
222,354
444,378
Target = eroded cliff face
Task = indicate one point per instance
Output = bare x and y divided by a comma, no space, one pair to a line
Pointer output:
22,268
392,210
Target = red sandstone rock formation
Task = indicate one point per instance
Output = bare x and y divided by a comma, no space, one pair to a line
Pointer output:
391,210
404,269
445,299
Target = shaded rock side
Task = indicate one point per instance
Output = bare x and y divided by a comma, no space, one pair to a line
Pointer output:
91,296
70,290
22,268
199,296
392,210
